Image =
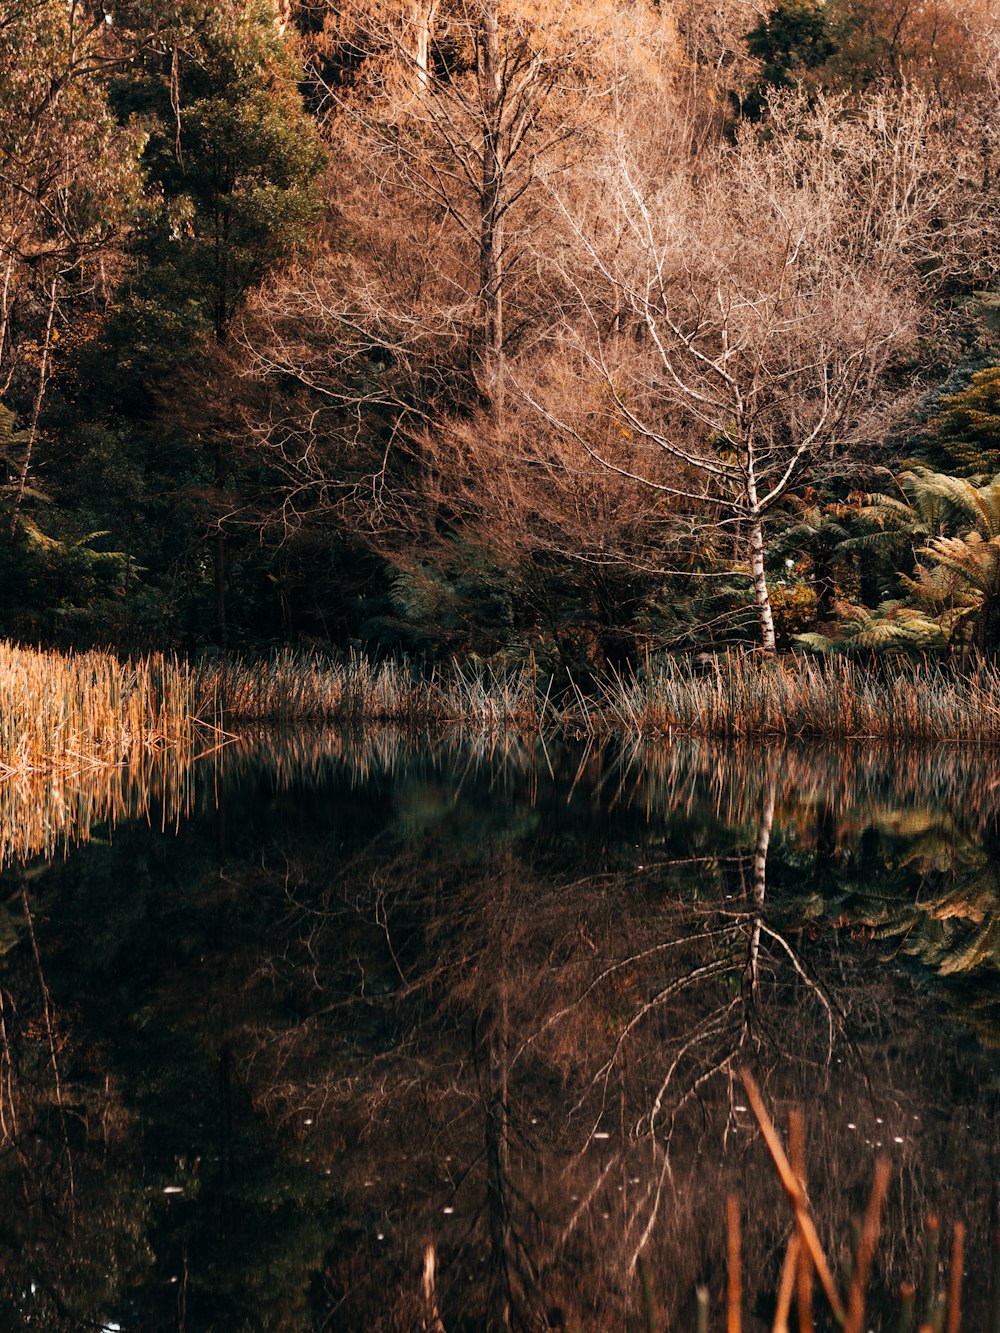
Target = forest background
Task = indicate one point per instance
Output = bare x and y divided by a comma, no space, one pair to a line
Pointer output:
522,329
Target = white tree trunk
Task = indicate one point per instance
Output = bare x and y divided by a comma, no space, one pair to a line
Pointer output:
761,595
422,13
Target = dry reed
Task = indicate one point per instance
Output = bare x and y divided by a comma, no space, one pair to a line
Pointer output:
64,710
311,687
70,712
732,695
86,738
848,1312
739,694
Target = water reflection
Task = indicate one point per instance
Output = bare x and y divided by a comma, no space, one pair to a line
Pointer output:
390,1033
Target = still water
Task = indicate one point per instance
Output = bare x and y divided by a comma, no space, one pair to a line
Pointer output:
375,1033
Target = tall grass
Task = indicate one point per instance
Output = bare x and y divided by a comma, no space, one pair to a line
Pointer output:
311,687
70,711
740,695
733,695
74,711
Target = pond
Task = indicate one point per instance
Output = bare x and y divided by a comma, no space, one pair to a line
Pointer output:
381,1032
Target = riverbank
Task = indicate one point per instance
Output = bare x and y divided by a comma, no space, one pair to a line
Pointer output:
731,696
66,712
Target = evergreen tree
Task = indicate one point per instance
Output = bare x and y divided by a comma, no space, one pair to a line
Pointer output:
231,172
791,42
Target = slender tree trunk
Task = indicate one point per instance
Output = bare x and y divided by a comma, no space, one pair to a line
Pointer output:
8,1102
5,305
826,589
760,591
219,554
53,1050
422,14
496,1081
491,215
222,313
43,379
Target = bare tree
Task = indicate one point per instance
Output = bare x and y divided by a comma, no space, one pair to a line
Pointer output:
698,326
735,318
461,112
449,132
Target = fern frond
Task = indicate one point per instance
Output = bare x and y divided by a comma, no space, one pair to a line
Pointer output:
971,559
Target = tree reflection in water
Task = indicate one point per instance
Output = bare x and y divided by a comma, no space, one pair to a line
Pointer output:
393,1035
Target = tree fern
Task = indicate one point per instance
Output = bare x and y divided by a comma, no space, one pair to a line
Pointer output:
892,627
952,594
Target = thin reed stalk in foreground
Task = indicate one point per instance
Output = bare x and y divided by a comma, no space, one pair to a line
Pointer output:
849,1312
796,1195
734,1249
943,1311
803,1265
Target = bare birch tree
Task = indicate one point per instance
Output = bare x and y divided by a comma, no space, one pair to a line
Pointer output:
735,320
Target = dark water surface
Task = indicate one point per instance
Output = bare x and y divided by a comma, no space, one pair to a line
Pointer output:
369,1034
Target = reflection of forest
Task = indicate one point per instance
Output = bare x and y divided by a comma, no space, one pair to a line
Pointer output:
376,997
